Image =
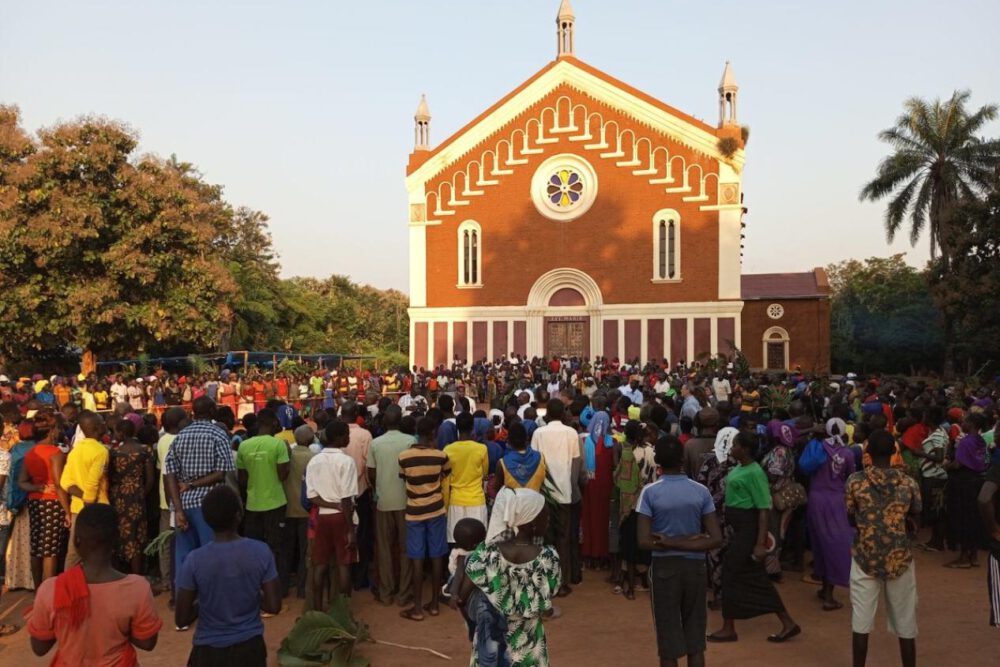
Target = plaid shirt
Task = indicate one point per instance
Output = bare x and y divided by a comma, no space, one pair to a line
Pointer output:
198,450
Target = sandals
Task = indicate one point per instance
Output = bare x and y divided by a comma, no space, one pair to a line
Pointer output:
411,615
431,611
630,594
783,637
832,605
7,630
716,638
617,590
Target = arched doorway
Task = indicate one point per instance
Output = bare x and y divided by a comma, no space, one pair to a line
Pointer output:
564,314
775,341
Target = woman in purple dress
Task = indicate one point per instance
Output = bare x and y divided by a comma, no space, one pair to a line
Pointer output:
829,463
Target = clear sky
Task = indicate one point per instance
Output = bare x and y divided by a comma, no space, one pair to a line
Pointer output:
305,109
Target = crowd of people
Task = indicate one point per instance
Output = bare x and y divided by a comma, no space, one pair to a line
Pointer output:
504,483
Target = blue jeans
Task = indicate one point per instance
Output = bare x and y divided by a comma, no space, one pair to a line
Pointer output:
198,534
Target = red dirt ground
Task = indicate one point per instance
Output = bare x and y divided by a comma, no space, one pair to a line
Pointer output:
598,628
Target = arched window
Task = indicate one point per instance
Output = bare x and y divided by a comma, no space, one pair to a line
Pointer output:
470,257
776,353
666,246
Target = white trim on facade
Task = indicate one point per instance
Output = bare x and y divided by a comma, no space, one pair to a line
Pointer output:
565,72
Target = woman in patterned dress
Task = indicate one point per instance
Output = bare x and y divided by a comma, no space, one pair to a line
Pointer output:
132,478
517,574
48,503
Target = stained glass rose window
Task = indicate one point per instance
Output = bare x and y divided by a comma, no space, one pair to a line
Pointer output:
564,187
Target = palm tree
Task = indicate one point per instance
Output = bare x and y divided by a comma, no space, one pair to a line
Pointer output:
938,160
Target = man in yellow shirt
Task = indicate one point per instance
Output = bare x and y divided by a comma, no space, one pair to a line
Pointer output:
470,465
84,476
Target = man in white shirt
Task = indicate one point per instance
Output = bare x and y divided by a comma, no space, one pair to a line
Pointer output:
332,484
721,387
560,445
412,402
359,444
119,390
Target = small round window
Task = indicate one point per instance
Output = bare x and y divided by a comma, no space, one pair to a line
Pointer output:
564,187
775,311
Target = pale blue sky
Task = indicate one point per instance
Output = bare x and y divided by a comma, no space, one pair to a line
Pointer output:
305,109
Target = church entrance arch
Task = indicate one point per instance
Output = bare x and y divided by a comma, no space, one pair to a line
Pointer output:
564,315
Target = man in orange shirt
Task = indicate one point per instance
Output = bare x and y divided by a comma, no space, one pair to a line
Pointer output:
96,614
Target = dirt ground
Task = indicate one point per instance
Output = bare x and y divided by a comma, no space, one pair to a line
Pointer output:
598,628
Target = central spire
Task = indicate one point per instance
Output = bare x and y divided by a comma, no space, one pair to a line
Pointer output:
564,30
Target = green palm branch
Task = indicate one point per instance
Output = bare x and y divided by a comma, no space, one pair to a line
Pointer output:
938,160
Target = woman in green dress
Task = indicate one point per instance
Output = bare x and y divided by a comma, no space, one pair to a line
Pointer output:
517,574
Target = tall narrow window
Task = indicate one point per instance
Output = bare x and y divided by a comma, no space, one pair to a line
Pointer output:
470,258
465,258
474,256
671,249
666,241
662,259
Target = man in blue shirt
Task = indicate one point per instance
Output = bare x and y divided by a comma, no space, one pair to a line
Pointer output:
233,579
677,523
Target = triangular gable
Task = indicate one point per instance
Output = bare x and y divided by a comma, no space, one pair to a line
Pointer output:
604,88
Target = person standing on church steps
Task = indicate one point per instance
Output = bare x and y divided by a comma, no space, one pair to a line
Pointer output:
559,444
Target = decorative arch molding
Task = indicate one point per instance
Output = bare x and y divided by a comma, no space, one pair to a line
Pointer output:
776,335
551,282
652,156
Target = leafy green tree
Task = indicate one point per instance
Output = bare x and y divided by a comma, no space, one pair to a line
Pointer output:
104,252
968,290
882,317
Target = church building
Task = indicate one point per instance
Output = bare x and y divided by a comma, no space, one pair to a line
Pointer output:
579,216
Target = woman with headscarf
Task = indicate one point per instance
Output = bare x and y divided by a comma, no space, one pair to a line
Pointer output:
829,462
966,467
598,460
778,462
517,574
521,466
713,475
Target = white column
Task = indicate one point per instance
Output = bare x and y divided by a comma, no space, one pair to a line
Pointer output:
413,342
468,341
713,339
430,345
666,341
738,331
621,339
643,341
596,333
489,340
510,337
451,342
690,340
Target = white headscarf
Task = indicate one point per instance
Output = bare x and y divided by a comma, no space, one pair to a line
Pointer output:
513,508
724,443
841,430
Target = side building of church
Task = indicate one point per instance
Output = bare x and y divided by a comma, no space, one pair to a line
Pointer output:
579,216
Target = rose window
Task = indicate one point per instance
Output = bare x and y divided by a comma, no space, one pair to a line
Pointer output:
564,187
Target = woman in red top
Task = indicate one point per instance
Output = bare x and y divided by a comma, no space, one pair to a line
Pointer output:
48,504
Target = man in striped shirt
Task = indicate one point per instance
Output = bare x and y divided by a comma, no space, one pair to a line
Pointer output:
422,467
